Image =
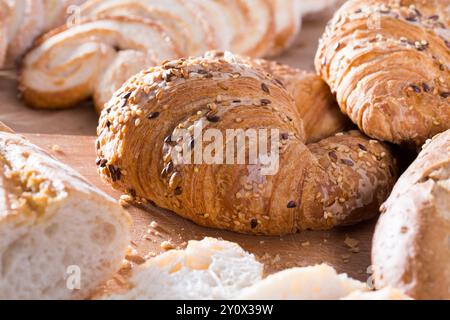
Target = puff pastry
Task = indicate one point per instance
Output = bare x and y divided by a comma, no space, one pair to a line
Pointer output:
388,63
22,21
95,57
338,181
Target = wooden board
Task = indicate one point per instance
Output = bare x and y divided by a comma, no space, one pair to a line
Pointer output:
78,151
277,253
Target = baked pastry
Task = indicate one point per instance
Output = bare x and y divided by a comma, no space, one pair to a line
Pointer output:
24,20
315,103
72,64
214,269
210,269
250,27
388,63
66,66
54,225
411,242
340,180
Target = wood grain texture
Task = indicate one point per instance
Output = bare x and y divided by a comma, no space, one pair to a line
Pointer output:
277,253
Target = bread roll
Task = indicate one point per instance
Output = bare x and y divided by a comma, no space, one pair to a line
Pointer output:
340,180
411,246
52,224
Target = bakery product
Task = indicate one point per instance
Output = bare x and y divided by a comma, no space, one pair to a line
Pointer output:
319,282
310,8
388,63
387,293
249,27
210,269
22,21
213,269
315,103
72,64
411,242
54,225
85,52
338,181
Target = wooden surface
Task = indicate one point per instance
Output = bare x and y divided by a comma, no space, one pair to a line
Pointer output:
277,253
47,128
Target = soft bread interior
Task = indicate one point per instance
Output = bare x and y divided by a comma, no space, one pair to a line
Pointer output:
207,269
310,283
35,257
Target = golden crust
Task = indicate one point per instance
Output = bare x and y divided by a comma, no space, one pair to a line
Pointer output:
317,106
332,183
388,63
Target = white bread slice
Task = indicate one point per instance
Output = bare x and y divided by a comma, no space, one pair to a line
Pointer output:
207,269
319,282
53,224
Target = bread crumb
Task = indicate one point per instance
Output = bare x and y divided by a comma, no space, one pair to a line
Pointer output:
261,242
167,245
150,255
351,243
135,258
306,244
125,200
56,148
154,224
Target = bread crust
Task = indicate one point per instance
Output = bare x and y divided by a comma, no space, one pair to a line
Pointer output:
34,190
411,242
388,63
335,183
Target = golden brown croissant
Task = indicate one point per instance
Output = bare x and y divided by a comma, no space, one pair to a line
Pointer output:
388,63
339,181
95,56
315,103
21,21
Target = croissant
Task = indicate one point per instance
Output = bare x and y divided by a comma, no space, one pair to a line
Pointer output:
388,63
308,89
21,21
95,57
338,181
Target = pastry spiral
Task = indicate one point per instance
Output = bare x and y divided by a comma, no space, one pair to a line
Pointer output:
338,181
388,63
64,68
21,21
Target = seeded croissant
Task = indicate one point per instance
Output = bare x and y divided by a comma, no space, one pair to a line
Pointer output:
95,56
388,63
338,181
21,21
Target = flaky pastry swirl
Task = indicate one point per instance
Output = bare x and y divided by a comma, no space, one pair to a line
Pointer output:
388,63
63,68
338,181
